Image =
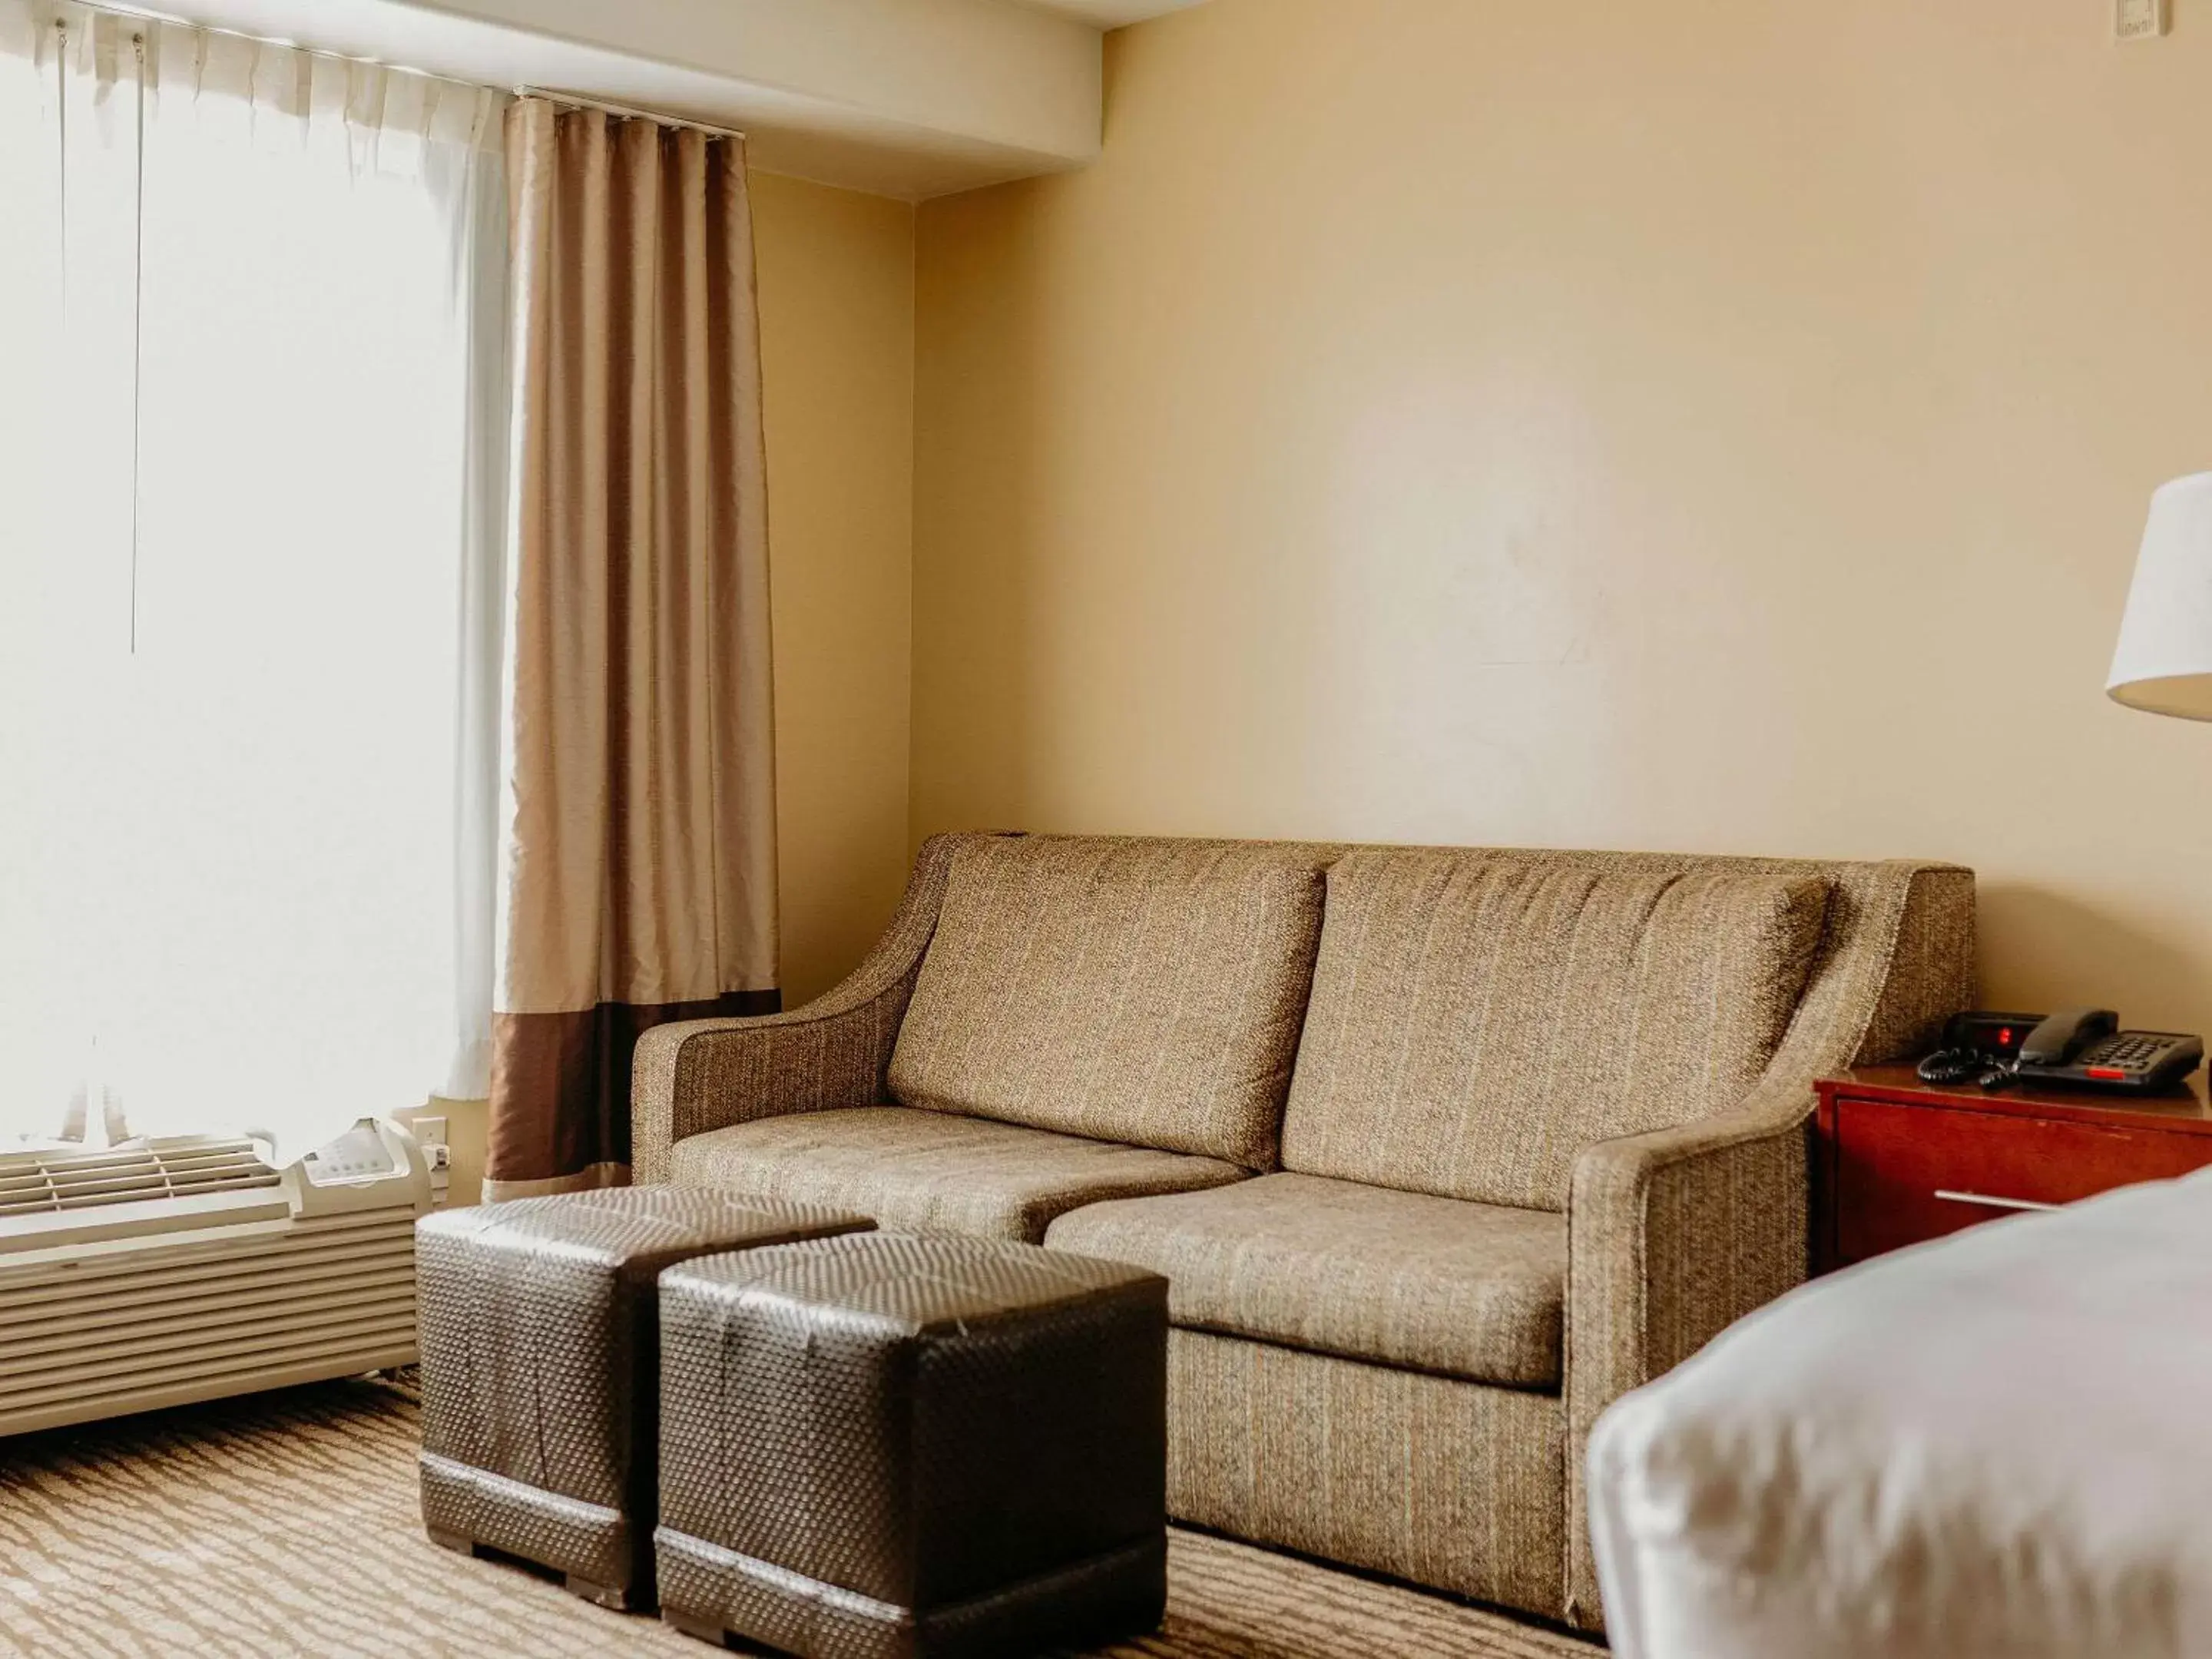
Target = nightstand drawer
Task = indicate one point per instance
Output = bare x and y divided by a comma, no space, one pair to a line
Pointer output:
1906,1174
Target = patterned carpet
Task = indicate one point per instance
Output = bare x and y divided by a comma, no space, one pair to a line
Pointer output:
286,1524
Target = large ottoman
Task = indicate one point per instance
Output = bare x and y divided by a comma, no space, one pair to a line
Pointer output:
540,1362
881,1447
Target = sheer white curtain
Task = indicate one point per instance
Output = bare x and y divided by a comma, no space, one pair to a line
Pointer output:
252,446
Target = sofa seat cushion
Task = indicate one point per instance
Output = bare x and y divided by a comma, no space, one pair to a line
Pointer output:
930,1172
1141,990
1469,1291
1477,1019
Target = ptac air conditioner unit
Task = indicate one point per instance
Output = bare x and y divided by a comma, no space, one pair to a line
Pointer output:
164,1271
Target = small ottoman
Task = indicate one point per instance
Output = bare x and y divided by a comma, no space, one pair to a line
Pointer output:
894,1446
540,1356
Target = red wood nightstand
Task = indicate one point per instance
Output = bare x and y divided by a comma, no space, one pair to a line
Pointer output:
1896,1161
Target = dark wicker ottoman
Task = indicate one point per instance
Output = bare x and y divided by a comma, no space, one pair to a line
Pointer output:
884,1447
540,1360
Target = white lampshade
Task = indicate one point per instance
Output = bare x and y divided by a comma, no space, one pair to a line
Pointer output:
2164,660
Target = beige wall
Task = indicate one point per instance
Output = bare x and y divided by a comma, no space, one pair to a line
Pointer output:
836,305
1718,425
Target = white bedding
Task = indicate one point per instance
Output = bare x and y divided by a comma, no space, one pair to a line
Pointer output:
2000,1444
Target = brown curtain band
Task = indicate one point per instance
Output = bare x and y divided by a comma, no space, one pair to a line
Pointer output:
565,1080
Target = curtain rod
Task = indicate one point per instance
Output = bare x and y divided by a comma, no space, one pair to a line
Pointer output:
147,14
627,113
142,13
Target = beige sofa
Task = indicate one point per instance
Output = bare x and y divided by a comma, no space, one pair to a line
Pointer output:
1442,1149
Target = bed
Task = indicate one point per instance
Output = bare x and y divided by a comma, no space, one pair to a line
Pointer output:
1999,1443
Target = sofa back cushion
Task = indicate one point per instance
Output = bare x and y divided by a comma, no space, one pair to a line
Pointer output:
1141,990
1477,1020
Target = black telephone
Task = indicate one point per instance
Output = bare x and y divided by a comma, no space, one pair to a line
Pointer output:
2082,1047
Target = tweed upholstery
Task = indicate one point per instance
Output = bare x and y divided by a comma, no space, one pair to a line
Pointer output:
1471,1290
1475,1022
932,1172
1143,991
1673,1232
902,1447
705,1074
1675,1235
1448,1483
540,1353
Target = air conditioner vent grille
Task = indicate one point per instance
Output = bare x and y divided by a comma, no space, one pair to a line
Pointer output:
78,1178
185,1268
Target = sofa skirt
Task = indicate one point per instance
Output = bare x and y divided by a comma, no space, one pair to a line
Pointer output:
1448,1483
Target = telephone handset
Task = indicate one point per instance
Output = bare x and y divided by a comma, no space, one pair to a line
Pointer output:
2081,1047
2057,1040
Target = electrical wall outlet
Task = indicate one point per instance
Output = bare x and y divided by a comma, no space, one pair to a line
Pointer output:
2138,20
429,1134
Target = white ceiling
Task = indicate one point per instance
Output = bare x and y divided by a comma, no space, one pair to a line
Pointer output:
1111,14
903,97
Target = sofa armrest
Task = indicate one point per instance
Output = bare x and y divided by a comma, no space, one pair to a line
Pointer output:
1672,1237
703,1074
1675,1235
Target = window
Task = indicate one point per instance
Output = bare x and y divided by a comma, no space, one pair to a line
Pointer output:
248,534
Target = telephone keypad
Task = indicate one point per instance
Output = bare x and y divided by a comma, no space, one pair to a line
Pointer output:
2131,1051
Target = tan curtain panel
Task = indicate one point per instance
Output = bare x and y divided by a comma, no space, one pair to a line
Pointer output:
640,864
